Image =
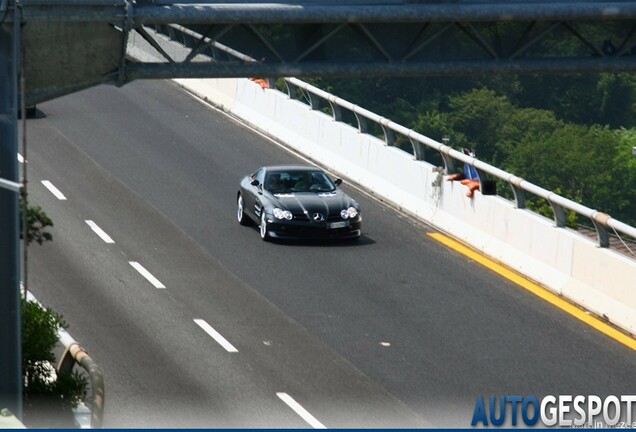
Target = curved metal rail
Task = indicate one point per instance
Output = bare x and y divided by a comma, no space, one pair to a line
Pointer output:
75,354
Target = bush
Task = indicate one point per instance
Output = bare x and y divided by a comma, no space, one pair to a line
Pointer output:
48,397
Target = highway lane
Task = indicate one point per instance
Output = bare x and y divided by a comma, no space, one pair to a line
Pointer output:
403,317
161,369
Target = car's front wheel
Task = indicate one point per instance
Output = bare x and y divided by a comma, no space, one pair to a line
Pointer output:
240,211
263,227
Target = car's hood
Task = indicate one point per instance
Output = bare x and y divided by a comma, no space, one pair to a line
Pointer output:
311,202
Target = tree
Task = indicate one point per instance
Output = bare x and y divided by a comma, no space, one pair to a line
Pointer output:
437,125
617,96
577,160
479,115
520,125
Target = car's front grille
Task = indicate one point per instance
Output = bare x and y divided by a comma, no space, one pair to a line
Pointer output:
302,217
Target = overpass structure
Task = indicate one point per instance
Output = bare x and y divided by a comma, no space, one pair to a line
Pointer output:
49,48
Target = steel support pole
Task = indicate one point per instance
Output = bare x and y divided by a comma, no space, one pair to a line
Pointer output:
10,323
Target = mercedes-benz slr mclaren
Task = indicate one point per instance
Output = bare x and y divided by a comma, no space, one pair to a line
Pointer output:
297,202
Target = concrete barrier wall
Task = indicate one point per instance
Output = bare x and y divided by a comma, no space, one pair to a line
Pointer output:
599,279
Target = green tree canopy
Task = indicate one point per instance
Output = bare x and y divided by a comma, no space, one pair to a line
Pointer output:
578,160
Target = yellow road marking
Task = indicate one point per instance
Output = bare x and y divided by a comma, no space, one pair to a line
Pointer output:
537,290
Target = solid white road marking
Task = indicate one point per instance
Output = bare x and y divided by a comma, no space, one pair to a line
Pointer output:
300,411
145,273
100,232
55,191
215,335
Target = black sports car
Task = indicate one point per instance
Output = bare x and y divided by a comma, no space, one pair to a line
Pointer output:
297,202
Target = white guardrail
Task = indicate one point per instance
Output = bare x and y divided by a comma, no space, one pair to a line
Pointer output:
570,264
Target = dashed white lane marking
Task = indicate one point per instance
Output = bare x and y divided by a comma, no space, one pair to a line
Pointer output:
55,191
145,273
302,412
215,335
100,232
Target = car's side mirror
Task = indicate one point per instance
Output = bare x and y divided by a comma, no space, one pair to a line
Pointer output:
254,182
338,182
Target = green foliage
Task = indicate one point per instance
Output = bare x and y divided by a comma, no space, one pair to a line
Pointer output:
37,223
479,115
39,338
617,95
437,125
519,125
579,161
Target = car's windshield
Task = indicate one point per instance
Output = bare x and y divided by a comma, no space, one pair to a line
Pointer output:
285,182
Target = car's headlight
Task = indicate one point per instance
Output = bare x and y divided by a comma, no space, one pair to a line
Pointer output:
349,213
282,214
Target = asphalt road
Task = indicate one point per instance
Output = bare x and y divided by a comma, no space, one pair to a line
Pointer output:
393,331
